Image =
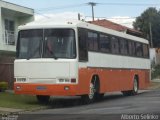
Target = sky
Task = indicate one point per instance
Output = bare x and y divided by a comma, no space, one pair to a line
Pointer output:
113,10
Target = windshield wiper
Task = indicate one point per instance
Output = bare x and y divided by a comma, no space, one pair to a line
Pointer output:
54,57
28,57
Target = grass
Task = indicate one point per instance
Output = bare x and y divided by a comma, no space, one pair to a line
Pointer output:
154,85
25,102
155,72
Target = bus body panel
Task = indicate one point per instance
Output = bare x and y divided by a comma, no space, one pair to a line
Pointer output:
115,72
41,69
112,80
45,89
43,78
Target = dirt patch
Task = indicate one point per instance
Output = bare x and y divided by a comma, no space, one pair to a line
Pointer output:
154,85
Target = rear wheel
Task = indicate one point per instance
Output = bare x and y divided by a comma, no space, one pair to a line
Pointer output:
135,87
134,91
43,98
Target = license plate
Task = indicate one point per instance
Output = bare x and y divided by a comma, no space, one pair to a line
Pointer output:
41,87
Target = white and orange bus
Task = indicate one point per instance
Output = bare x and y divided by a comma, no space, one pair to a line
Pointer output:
75,58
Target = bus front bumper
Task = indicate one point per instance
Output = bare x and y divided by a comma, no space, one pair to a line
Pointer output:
46,89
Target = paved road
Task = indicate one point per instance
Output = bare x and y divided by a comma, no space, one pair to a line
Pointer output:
144,105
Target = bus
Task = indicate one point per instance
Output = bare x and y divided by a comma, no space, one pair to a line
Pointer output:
76,58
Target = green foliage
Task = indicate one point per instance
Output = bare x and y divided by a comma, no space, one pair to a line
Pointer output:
26,102
3,86
150,17
156,72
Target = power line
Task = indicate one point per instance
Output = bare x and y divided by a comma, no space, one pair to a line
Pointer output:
60,7
42,15
112,17
93,4
129,4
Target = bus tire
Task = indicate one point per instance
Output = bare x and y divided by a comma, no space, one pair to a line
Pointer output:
99,96
135,87
134,91
43,98
91,97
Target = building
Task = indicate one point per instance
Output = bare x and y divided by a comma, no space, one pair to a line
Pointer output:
117,27
155,56
11,16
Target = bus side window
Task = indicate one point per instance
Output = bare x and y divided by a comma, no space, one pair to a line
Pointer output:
105,43
145,51
92,41
115,45
82,46
139,50
123,46
132,49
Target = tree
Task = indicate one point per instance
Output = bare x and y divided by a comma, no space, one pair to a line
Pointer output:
149,23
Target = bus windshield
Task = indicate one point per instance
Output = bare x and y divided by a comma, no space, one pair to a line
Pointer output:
46,43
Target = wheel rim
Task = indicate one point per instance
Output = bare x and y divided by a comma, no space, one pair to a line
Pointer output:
92,91
135,86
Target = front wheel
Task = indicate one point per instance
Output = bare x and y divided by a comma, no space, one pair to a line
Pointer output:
92,94
43,98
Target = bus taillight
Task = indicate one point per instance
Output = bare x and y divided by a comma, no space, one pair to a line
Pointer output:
73,80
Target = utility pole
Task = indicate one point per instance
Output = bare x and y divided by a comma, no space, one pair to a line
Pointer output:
150,32
92,4
79,16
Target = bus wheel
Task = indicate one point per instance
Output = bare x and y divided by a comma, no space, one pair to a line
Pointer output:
43,98
86,99
135,87
99,96
134,91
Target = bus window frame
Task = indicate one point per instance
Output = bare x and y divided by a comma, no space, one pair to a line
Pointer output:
82,59
118,38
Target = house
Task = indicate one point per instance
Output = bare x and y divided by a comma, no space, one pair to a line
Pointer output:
11,16
117,27
155,56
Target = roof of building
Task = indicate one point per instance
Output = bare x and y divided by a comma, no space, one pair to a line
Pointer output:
117,27
8,7
15,4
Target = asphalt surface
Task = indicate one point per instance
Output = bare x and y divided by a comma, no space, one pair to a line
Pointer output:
114,106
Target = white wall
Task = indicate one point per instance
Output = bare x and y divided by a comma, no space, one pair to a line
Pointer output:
20,15
152,55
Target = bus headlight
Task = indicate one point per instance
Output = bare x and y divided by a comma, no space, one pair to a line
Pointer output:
21,79
18,87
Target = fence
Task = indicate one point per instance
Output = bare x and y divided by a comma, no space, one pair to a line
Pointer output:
7,71
9,37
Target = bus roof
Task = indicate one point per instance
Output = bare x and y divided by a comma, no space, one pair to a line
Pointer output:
50,23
